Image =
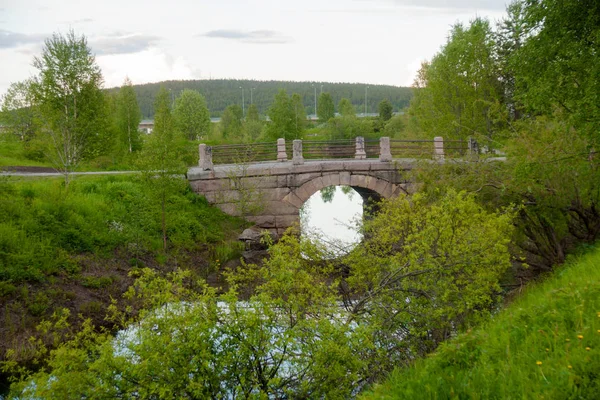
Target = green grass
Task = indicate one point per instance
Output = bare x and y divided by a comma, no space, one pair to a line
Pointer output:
13,153
43,227
546,344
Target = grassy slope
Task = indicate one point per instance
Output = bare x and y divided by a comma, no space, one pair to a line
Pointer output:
544,345
76,249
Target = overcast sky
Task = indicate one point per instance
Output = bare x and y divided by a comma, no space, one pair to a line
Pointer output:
370,41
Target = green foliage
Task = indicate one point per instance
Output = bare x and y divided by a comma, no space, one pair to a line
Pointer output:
191,115
325,107
288,117
128,117
18,112
231,122
556,67
220,93
546,344
41,230
385,110
425,270
348,127
345,108
458,93
67,91
252,115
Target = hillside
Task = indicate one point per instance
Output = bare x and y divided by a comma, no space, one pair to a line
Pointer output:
544,345
220,93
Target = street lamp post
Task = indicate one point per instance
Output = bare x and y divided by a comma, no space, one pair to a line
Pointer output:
366,90
243,111
314,87
321,89
251,89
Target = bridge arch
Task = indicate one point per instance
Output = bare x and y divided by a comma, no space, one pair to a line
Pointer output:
365,185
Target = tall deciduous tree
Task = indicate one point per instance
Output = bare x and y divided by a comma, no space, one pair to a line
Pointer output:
299,115
462,93
252,114
191,115
128,117
68,92
18,111
231,122
345,108
325,107
160,159
385,110
287,117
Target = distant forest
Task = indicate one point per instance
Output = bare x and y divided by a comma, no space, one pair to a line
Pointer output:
220,93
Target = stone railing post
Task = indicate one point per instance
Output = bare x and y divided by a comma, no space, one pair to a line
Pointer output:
281,154
205,161
297,157
438,148
473,147
385,152
360,148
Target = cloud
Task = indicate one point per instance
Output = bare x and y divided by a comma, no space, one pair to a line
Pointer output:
123,43
10,39
462,5
256,37
80,21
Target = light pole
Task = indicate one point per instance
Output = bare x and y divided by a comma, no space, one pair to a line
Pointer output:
321,90
251,89
366,90
243,111
314,87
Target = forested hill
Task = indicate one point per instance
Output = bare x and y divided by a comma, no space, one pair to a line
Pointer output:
220,93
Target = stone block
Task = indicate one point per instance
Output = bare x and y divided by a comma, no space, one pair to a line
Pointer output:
312,166
285,221
381,186
388,191
263,221
335,179
345,178
300,179
229,208
279,208
275,193
332,166
318,183
262,182
357,165
371,182
293,199
358,180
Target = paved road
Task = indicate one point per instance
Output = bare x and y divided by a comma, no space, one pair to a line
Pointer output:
50,174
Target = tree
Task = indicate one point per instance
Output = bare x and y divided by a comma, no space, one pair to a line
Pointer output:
287,117
385,110
345,108
160,158
425,268
459,91
299,115
557,66
128,117
68,92
325,107
231,122
252,114
191,115
18,112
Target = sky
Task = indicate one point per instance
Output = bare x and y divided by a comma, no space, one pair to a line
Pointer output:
366,41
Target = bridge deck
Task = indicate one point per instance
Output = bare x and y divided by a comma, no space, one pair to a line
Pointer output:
288,167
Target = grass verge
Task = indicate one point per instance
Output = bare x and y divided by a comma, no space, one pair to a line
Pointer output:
546,344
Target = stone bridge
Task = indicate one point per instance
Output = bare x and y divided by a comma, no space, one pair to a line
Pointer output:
271,193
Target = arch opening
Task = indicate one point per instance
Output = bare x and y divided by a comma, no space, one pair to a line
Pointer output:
332,216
